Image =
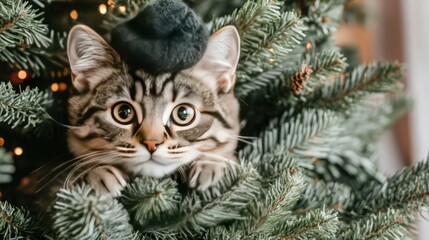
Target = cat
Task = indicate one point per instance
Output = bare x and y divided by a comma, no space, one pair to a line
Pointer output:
129,123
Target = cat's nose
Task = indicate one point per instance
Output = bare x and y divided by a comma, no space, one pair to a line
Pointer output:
152,144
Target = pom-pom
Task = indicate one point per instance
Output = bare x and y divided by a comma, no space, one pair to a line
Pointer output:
166,36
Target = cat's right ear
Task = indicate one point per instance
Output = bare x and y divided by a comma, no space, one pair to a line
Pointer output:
89,57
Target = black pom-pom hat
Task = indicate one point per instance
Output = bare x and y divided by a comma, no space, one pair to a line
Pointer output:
166,36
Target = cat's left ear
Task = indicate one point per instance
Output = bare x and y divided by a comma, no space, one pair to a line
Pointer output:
219,62
89,56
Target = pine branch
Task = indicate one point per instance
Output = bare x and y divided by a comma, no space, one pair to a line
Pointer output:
249,14
223,233
342,165
315,224
330,194
267,34
81,214
271,165
277,201
23,36
283,185
322,19
369,118
389,224
265,44
372,78
223,203
22,109
324,65
151,201
406,190
289,133
288,86
6,166
350,158
17,223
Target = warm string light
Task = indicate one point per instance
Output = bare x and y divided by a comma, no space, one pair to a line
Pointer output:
25,181
18,77
1,141
102,8
54,87
62,86
122,9
18,151
22,74
73,14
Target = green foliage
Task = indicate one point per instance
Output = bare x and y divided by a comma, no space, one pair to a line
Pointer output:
23,109
17,223
148,200
328,194
406,190
224,203
81,214
315,224
364,80
6,166
23,35
267,35
389,224
323,18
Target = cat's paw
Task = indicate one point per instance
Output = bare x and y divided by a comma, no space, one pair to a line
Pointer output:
205,173
106,179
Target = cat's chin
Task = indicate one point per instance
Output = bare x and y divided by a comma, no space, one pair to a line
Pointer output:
152,168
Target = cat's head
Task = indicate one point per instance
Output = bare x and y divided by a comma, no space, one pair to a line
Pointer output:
151,125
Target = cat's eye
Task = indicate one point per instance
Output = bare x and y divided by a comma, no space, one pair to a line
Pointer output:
123,113
183,114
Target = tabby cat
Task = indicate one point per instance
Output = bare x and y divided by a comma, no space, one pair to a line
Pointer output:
130,123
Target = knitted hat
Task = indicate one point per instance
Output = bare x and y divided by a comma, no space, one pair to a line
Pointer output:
165,37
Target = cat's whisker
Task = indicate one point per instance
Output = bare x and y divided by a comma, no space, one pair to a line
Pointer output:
74,160
181,171
89,169
242,100
58,158
166,132
56,198
77,167
244,141
84,160
59,123
241,140
102,160
218,157
246,137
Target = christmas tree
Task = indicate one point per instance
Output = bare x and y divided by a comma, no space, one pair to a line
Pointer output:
308,169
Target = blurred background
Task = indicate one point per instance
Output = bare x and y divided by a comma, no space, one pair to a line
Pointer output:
397,30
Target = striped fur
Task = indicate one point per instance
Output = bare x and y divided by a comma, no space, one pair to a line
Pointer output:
102,80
